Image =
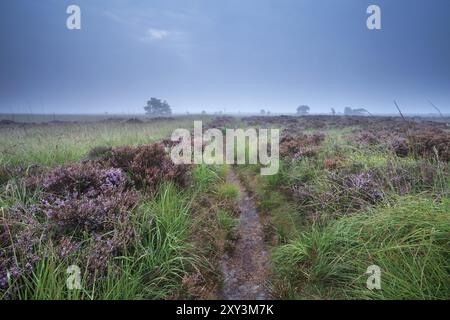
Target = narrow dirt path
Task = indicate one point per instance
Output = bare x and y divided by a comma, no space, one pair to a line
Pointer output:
245,268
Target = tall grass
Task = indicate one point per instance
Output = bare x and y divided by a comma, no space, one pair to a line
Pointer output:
205,176
153,268
325,243
226,221
408,240
228,191
50,145
165,252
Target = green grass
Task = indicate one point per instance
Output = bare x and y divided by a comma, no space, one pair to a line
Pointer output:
228,191
154,269
226,221
205,176
165,252
16,191
319,248
322,249
51,145
408,240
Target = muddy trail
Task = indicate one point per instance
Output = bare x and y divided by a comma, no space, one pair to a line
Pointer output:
245,269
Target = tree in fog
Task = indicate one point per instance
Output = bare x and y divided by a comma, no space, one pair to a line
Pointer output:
355,112
303,110
333,112
156,107
361,111
262,112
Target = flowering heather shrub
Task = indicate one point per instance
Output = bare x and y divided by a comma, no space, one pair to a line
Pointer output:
352,191
67,246
9,172
77,201
301,146
121,157
399,145
427,143
366,138
102,248
20,234
400,179
406,178
84,199
85,179
98,153
169,143
302,194
339,192
219,122
147,165
83,212
421,142
4,174
380,137
332,163
306,152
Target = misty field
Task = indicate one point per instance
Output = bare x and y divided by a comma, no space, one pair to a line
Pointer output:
98,210
51,144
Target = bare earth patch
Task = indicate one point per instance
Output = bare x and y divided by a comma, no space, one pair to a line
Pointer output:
245,269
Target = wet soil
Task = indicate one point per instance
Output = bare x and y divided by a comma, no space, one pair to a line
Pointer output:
245,268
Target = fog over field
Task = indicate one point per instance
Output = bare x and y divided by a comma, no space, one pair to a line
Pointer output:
180,150
231,56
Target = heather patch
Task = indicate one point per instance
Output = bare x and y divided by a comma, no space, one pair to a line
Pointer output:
429,143
301,146
368,190
17,172
147,165
83,213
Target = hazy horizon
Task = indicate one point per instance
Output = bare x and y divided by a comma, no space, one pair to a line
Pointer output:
232,56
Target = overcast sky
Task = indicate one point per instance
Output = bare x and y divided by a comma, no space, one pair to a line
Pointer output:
238,55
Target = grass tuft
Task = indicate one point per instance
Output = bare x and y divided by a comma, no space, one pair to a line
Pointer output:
408,240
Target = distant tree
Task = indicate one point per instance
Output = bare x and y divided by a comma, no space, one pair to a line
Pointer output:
203,112
156,107
355,112
348,111
333,112
263,112
361,112
303,110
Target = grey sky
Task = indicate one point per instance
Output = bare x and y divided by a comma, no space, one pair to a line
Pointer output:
242,55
